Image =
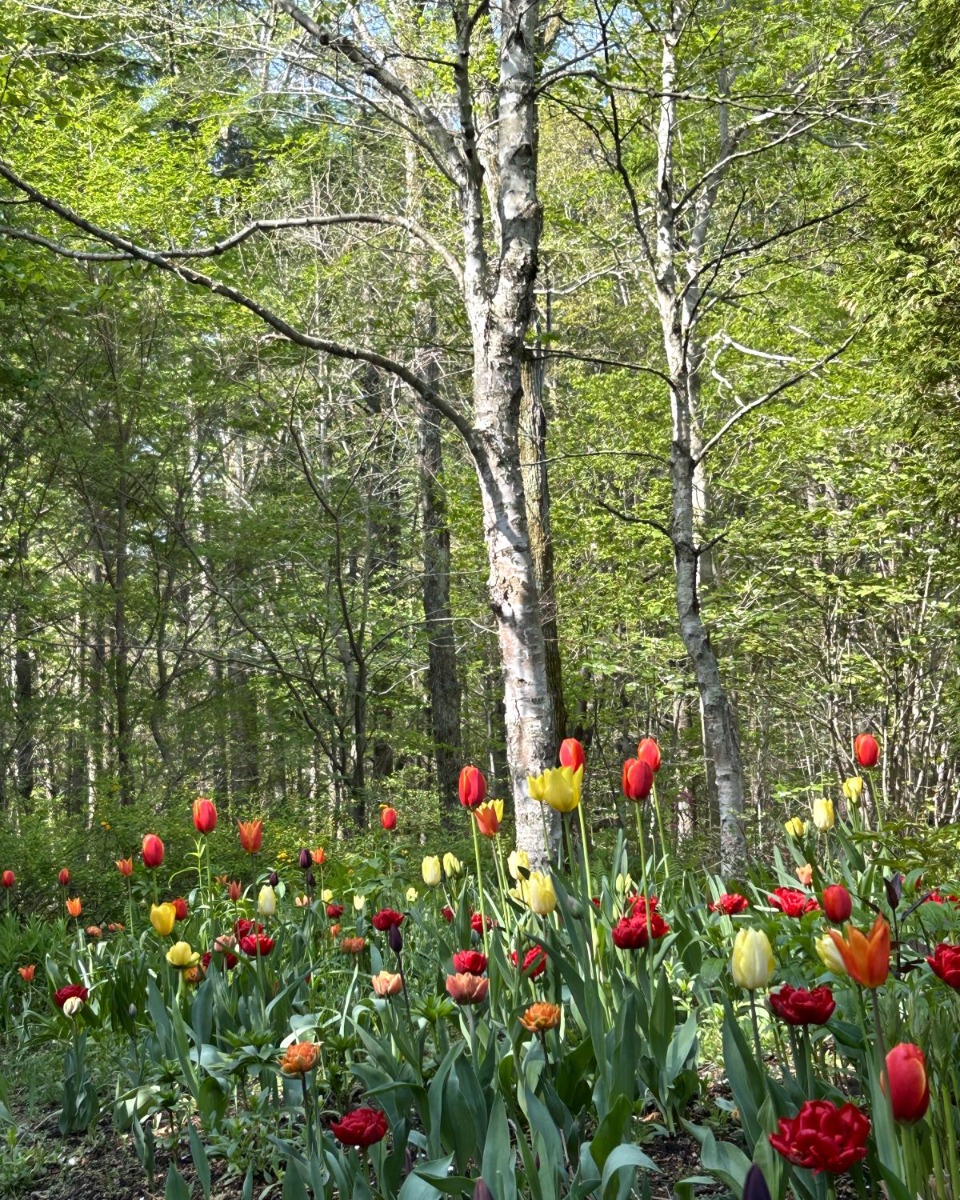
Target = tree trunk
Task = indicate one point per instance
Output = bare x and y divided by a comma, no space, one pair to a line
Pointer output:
23,673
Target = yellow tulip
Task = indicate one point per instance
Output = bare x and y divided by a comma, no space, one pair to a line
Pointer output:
559,787
452,865
823,814
182,956
753,960
795,827
326,895
359,902
829,955
853,789
623,884
267,901
540,894
412,894
431,870
162,918
518,860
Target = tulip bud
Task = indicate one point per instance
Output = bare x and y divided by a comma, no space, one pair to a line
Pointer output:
829,955
152,851
273,879
452,866
204,815
412,894
8,879
823,815
795,828
753,960
541,896
64,877
637,779
388,818
571,754
125,867
649,752
267,901
395,938
162,918
359,902
72,1006
311,880
853,789
481,1191
906,1082
755,1186
306,860
180,907
837,903
518,863
472,787
805,874
866,749
234,890
894,889
431,871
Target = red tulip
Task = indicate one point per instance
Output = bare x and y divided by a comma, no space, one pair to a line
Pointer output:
730,903
251,835
334,911
204,815
534,962
823,1136
909,1086
361,1128
866,750
797,1006
256,944
946,963
633,932
649,752
477,920
447,913
27,973
152,851
181,906
388,818
68,993
64,877
792,901
386,918
571,754
637,779
837,903
8,879
469,962
473,787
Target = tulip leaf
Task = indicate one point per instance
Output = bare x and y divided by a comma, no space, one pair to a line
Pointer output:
293,1186
176,1187
724,1161
418,1186
498,1156
625,1160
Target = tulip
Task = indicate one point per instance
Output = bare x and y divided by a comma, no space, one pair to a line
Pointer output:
387,984
866,750
540,1017
571,754
829,955
518,863
431,870
411,895
359,902
649,752
635,932
257,945
867,959
251,835
204,815
301,901
637,779
945,963
162,918
559,787
388,817
837,903
798,1006
234,890
27,973
805,874
353,945
306,860
361,1128
792,901
853,789
452,866
74,907
273,879
8,879
907,1083
70,992
93,932
182,956
541,896
319,856
267,901
326,895
469,962
795,828
125,867
64,877
753,960
152,851
489,817
823,1136
755,1186
730,903
72,1006
464,988
472,787
180,905
534,962
386,918
823,814
299,1058
334,911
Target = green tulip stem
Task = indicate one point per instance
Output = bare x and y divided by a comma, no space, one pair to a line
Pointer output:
586,857
308,1114
756,1029
938,1170
946,1099
663,839
483,909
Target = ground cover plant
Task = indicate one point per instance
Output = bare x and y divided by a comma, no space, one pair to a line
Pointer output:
474,1025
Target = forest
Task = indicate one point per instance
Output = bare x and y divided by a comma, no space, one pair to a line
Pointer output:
408,408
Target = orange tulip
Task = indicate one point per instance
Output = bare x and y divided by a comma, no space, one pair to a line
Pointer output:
540,1017
489,815
867,959
125,867
464,988
251,835
300,1057
319,856
27,973
74,907
234,889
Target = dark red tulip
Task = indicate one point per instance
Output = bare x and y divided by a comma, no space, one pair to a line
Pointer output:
907,1083
386,918
866,750
469,962
64,877
306,859
946,963
8,879
152,851
68,993
637,779
534,962
473,787
649,752
571,754
798,1006
837,903
181,906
